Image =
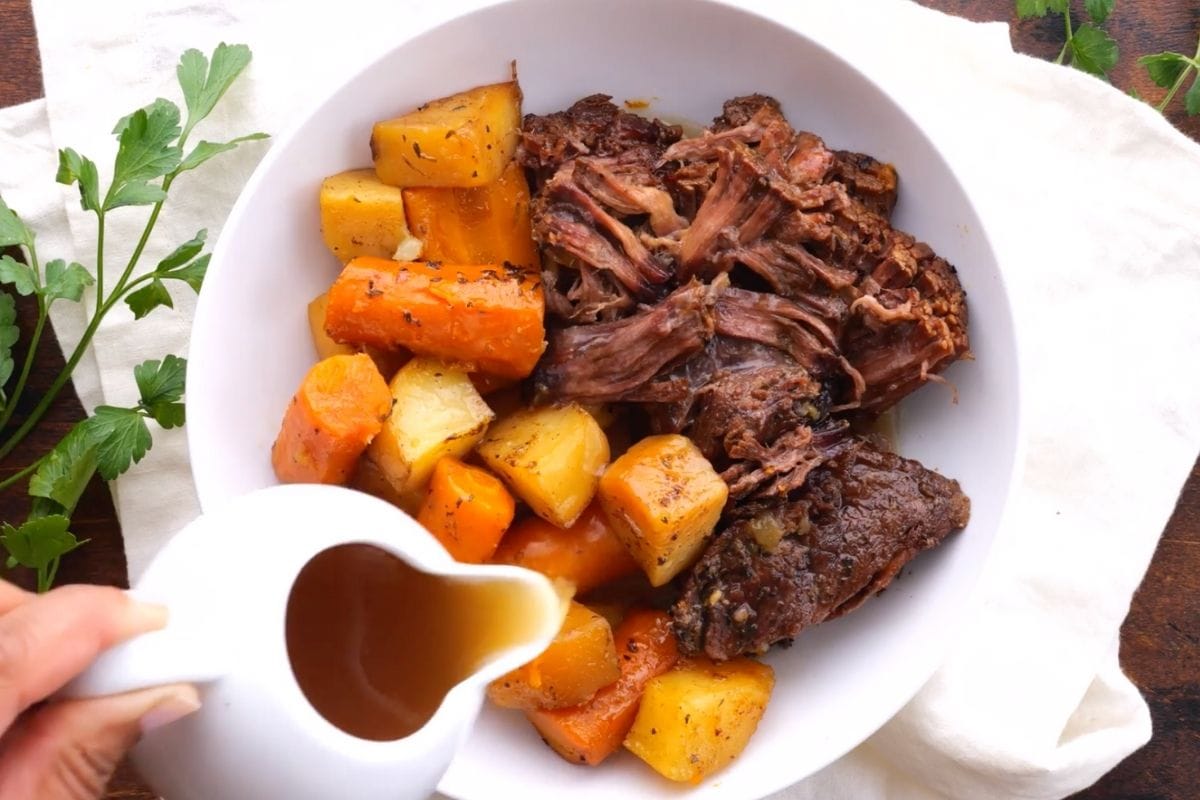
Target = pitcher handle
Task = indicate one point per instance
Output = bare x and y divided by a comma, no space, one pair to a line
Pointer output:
181,652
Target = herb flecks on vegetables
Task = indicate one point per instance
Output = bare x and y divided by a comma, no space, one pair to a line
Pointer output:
1087,47
152,151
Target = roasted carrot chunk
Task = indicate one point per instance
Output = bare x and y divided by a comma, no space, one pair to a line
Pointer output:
581,660
588,554
487,317
340,406
591,732
467,509
481,225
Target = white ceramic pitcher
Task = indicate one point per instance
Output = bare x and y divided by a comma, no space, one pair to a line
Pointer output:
225,580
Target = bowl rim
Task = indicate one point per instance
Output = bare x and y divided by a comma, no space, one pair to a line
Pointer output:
764,12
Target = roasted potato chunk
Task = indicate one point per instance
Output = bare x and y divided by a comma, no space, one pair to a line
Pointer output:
436,412
580,660
466,139
363,216
698,717
663,499
550,457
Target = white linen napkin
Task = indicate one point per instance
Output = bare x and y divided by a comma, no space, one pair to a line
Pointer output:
1088,197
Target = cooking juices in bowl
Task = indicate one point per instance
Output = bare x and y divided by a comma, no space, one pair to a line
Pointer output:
376,644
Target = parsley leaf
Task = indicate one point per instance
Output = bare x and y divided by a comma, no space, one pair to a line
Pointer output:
185,252
1093,50
192,274
38,542
1038,8
203,84
1191,100
145,152
121,439
12,230
19,274
66,470
161,381
1099,10
65,281
1164,68
148,298
74,168
9,333
203,151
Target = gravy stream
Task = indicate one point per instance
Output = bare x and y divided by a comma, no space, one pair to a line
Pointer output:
376,644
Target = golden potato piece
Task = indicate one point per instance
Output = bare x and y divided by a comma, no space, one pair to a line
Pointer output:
550,457
325,346
436,412
362,216
466,139
698,717
663,499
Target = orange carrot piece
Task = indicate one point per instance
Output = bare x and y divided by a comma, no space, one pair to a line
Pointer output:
591,732
485,316
588,553
340,406
580,661
467,509
481,225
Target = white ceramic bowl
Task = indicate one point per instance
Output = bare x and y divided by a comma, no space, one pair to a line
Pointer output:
250,346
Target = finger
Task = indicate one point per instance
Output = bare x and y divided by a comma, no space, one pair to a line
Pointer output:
50,639
68,750
12,596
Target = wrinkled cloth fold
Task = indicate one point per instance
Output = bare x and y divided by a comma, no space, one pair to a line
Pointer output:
1088,197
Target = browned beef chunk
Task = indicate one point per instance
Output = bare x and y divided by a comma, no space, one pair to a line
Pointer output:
783,565
592,126
871,182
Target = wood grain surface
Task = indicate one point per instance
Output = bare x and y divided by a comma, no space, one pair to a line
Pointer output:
1160,641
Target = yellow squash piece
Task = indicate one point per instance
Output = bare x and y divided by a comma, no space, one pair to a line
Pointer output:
483,225
550,457
436,412
466,139
362,216
581,659
663,499
698,717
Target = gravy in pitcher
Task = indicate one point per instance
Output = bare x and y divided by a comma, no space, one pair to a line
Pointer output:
376,644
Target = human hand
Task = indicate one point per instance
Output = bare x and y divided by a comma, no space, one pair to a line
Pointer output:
67,750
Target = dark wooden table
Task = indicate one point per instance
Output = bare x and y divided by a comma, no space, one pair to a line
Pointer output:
1160,642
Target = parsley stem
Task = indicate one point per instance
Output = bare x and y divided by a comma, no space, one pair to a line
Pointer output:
1070,34
99,259
11,479
34,341
48,573
1166,101
102,310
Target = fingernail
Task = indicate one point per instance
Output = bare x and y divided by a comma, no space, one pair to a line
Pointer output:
145,617
178,703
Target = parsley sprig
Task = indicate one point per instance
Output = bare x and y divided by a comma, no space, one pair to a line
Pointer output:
152,151
1171,70
1087,46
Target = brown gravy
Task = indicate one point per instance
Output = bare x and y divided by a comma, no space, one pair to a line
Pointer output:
375,644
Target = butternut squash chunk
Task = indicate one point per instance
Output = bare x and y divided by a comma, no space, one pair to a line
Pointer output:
482,225
550,457
581,660
363,216
484,316
698,717
467,510
465,139
663,499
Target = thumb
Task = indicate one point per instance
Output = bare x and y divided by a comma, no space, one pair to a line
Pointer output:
68,750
